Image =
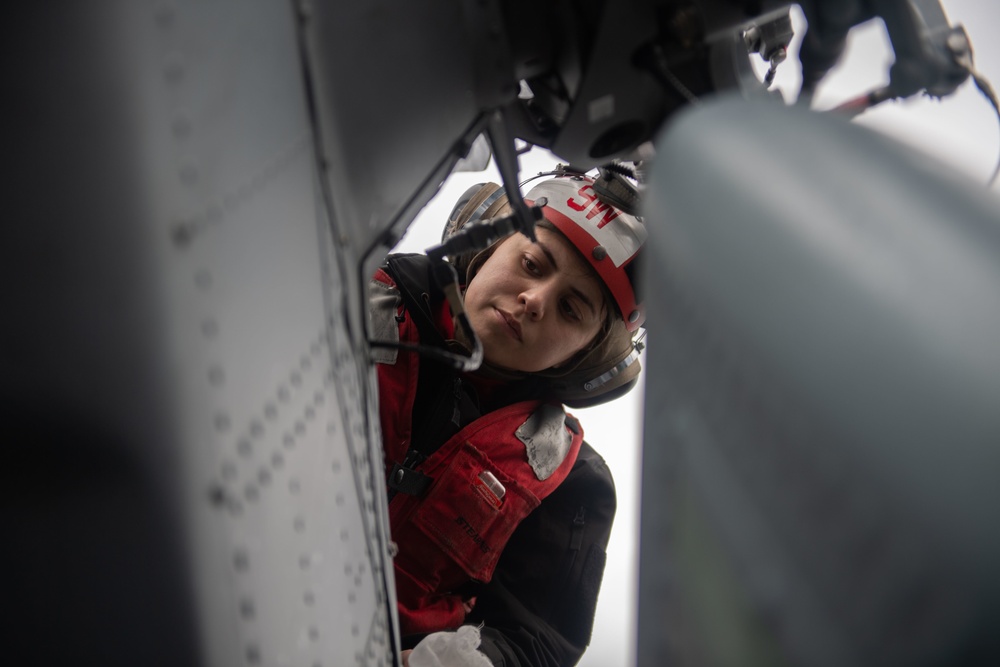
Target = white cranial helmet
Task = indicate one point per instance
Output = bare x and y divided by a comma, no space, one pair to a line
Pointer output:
610,239
607,237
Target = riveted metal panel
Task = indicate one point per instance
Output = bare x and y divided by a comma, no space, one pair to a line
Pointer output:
181,322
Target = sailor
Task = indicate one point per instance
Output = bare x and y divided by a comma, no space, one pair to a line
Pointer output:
500,512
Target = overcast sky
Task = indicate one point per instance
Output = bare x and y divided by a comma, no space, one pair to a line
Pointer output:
961,130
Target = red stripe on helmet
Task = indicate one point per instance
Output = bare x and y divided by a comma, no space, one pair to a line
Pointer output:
614,277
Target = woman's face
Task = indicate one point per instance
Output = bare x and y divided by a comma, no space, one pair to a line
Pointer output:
534,305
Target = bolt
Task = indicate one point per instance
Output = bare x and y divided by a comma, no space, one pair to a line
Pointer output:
958,43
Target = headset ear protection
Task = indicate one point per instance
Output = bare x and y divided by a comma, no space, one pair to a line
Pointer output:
482,201
474,205
610,368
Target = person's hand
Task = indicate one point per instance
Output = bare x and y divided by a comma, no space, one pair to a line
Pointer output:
448,647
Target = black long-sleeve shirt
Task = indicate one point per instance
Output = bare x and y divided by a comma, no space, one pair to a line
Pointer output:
538,609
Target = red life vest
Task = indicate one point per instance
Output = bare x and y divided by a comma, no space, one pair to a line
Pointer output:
487,478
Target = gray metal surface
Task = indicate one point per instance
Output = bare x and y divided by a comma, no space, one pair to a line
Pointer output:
395,90
823,400
194,476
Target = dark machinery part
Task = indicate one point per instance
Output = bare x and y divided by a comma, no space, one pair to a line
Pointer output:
770,39
929,51
670,53
617,184
598,80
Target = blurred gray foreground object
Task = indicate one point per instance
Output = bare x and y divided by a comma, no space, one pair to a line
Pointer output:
823,400
190,473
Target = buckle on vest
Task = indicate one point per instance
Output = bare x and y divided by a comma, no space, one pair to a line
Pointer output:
404,479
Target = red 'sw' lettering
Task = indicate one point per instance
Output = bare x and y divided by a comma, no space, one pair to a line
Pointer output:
590,201
609,213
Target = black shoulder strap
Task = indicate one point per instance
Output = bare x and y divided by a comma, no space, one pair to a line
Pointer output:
420,294
443,404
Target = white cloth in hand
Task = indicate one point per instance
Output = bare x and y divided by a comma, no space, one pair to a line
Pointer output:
450,649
